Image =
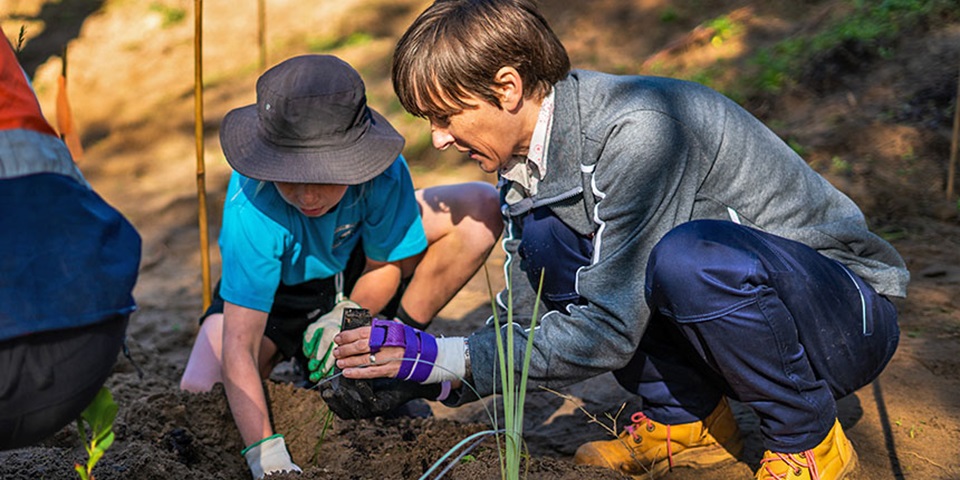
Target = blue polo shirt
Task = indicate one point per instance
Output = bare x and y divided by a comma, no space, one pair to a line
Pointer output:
265,241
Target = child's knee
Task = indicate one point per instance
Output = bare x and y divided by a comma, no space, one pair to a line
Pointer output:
483,205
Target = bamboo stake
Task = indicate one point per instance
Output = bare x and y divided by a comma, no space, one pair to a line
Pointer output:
198,133
952,168
68,133
262,32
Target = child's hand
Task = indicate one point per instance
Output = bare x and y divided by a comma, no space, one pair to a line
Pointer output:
269,456
318,341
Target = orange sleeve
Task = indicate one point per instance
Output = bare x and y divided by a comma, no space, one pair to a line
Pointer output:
19,107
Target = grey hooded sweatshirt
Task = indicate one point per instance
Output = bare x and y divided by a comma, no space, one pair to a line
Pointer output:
630,158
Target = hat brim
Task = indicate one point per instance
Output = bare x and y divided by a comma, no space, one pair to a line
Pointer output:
248,153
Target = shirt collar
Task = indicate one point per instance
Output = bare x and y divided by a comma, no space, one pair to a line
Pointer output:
528,171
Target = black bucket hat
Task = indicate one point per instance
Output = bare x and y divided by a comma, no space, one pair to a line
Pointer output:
311,124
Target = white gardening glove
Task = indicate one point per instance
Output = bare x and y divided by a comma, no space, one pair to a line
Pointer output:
318,341
269,456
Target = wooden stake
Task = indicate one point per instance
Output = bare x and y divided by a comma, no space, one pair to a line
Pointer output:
262,32
68,132
198,133
952,168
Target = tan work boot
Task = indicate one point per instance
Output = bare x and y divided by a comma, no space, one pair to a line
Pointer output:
649,447
833,459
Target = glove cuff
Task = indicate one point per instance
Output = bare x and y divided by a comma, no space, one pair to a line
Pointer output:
451,361
258,442
268,456
444,392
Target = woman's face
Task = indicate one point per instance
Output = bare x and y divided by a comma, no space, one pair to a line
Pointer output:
489,135
312,199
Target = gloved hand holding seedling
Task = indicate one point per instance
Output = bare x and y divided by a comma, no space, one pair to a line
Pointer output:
318,341
412,366
390,349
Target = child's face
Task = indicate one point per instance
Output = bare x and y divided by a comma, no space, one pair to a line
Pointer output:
312,199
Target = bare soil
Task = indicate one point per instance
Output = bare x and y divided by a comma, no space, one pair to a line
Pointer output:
877,127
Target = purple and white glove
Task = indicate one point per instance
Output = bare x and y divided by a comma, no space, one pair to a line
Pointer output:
422,352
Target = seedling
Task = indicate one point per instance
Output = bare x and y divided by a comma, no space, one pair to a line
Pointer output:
99,416
513,393
327,423
513,389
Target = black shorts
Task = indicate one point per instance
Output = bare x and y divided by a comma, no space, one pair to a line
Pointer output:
49,378
295,307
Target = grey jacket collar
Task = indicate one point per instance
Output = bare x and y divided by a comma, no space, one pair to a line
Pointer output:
563,186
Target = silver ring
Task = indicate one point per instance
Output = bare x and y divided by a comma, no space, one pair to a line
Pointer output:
373,359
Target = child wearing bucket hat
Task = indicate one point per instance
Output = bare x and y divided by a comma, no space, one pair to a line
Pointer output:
321,215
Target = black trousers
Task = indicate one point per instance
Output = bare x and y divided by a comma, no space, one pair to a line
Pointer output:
47,379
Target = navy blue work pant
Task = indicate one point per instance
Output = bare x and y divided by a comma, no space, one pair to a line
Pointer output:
759,318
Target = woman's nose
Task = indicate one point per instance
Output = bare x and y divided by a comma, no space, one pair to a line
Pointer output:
441,137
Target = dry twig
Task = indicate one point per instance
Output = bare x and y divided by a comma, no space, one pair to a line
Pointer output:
611,429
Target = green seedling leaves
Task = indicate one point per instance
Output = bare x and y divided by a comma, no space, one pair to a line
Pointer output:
99,417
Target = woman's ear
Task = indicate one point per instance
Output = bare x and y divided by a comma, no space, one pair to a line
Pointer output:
509,86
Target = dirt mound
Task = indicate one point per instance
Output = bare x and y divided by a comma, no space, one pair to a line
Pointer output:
163,433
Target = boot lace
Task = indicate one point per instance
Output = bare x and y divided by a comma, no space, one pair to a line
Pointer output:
641,419
796,462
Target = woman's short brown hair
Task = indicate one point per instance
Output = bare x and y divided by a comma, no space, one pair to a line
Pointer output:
456,47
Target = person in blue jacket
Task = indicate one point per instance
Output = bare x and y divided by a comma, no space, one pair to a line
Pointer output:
68,265
683,247
321,215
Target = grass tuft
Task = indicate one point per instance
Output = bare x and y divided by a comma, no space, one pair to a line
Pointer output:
171,15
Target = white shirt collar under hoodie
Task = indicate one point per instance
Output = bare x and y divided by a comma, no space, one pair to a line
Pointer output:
526,172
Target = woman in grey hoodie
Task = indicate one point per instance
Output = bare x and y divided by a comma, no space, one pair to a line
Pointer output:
684,246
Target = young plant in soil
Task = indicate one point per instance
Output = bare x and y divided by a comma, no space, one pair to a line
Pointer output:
513,389
514,395
99,416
